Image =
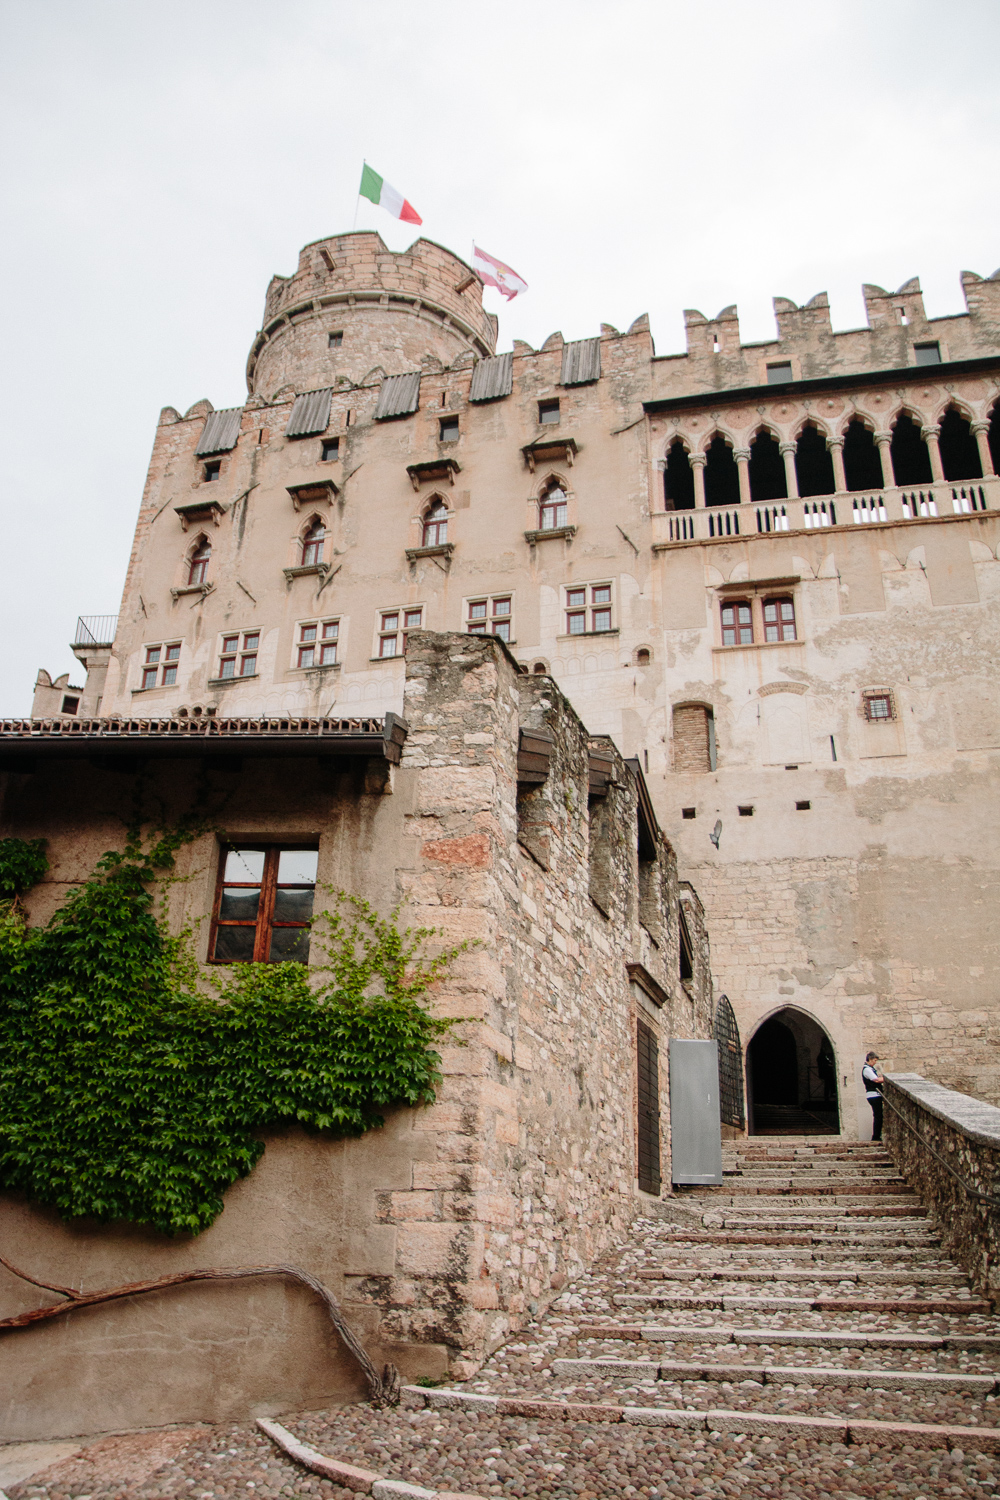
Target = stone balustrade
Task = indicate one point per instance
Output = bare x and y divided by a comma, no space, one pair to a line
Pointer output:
947,1145
885,507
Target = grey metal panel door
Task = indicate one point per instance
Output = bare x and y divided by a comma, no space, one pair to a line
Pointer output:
695,1134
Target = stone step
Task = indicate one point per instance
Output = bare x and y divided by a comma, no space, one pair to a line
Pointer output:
774,1273
771,1374
751,1239
768,1255
957,1307
722,1333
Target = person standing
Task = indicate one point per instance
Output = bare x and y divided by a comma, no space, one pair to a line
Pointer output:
873,1081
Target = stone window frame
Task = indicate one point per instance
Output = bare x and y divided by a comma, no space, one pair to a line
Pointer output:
264,923
757,593
872,696
404,624
245,650
159,670
312,544
546,409
589,608
490,618
320,642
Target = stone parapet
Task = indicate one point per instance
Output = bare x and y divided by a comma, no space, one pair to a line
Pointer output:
947,1145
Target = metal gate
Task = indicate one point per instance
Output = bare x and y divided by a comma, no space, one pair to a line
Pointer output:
648,1094
695,1132
732,1110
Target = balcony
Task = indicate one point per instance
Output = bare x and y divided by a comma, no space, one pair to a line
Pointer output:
943,500
94,632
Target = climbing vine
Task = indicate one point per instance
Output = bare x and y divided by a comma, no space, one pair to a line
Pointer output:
126,1093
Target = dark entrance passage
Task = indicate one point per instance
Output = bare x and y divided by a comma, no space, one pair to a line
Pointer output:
792,1078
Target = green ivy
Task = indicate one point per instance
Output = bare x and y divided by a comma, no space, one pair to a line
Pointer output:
125,1093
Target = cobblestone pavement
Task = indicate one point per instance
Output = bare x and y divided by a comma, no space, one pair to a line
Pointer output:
725,1310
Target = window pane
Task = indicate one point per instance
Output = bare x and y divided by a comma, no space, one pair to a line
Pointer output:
288,945
234,945
744,614
771,633
245,866
251,640
501,606
227,668
770,612
293,904
477,627
477,611
149,677
328,655
602,619
239,903
575,597
248,666
577,624
152,653
331,630
306,655
729,637
787,612
169,676
229,643
387,646
502,629
308,633
173,652
413,618
602,593
390,622
297,866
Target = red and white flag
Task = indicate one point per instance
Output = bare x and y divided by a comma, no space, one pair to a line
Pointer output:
495,273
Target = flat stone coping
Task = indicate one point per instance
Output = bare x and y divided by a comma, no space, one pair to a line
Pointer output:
826,1429
770,1374
361,1481
973,1117
948,1307
840,1338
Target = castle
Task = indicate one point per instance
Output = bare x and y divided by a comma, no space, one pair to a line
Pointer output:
669,679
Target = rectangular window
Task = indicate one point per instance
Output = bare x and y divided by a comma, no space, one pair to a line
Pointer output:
393,627
334,340
576,611
548,412
778,374
779,620
449,430
212,470
317,643
589,609
928,354
600,613
879,707
493,616
160,666
330,451
737,623
238,657
70,705
263,905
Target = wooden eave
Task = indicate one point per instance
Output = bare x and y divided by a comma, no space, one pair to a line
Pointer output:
534,756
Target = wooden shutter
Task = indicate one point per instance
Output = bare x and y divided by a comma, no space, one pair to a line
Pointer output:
648,1094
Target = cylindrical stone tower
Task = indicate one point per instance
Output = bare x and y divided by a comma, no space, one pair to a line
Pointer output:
353,305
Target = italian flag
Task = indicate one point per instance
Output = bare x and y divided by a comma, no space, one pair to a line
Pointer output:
378,191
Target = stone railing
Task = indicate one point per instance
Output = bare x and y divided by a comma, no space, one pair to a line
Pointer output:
886,507
947,1145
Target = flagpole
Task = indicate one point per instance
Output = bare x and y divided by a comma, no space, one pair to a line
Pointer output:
357,201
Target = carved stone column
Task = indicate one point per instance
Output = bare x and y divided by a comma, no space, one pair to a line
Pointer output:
698,462
930,436
836,447
787,451
884,440
742,457
980,431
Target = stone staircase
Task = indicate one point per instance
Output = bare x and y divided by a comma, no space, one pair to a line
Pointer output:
805,1307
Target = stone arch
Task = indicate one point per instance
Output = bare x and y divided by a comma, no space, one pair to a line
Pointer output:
553,513
678,475
767,466
722,479
791,1064
911,462
813,461
434,516
957,444
642,656
862,460
312,540
197,559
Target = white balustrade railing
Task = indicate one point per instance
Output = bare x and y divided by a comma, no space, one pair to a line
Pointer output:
941,499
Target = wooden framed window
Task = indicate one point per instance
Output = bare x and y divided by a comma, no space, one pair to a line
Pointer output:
588,609
548,412
393,627
312,544
779,620
317,643
212,471
238,657
448,430
492,616
553,509
199,562
737,623
435,532
334,340
600,601
879,705
263,905
330,450
160,666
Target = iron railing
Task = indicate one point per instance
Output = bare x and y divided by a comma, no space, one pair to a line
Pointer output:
94,630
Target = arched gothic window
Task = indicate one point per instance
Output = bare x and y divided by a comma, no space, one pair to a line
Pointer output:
435,532
767,469
911,463
813,464
199,562
678,478
959,450
994,437
862,464
722,479
553,509
312,544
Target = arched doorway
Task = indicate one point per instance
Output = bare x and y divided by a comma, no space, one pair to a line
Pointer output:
792,1077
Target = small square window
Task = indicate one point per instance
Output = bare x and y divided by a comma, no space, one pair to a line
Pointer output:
779,374
334,340
264,905
576,623
928,354
575,598
248,666
212,470
449,429
153,653
746,812
548,412
330,450
689,812
803,806
602,619
879,707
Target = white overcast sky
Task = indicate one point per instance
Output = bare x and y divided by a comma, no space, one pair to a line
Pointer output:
161,161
